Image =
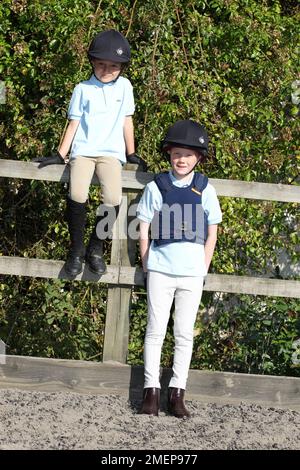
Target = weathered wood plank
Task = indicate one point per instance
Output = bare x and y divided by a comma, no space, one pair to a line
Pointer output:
32,267
42,374
230,188
254,190
119,298
128,276
230,284
253,285
29,170
137,180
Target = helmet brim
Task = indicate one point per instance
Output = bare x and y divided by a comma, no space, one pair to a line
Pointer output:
107,56
167,145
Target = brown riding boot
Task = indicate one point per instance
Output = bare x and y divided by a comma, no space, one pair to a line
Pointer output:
151,398
176,405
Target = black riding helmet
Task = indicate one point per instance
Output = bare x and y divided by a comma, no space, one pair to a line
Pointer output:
187,134
110,45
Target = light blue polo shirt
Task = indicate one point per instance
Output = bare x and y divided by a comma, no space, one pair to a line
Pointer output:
101,109
179,258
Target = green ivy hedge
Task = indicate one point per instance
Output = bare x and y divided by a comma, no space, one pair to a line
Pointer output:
232,65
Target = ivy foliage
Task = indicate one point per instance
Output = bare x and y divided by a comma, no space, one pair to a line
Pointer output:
232,65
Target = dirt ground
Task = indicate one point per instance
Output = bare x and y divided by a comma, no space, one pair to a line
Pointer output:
60,420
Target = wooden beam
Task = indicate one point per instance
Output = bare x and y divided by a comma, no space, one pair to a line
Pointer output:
254,190
29,170
230,188
43,268
230,284
61,375
119,297
253,285
128,276
137,180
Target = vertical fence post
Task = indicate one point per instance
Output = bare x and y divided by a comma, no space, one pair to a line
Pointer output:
123,253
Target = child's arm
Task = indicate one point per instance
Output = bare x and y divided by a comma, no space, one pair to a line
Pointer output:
59,157
68,137
129,135
210,244
144,243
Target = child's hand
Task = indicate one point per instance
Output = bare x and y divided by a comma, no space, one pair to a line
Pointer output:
134,158
54,159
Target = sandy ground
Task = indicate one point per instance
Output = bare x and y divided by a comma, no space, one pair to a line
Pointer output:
60,420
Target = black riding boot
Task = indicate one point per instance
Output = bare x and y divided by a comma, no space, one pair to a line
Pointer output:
76,218
102,230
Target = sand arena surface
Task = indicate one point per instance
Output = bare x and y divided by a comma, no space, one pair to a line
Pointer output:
64,420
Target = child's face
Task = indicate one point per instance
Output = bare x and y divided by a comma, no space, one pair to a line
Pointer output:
105,70
183,161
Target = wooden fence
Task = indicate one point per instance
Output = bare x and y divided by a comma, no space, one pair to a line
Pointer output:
121,274
110,378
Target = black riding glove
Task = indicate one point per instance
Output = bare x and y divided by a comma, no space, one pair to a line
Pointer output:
145,280
134,158
54,159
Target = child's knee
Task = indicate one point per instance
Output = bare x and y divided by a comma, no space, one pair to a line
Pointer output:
154,339
112,200
78,196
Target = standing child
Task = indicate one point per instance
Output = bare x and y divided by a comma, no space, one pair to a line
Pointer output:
184,211
100,133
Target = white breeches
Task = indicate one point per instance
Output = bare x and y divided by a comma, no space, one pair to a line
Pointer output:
162,289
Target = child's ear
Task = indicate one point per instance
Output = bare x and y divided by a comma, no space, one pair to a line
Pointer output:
200,157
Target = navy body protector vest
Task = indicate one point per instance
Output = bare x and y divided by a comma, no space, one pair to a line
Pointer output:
182,217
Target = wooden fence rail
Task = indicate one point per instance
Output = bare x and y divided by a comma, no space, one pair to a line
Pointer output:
121,274
65,375
136,181
129,276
